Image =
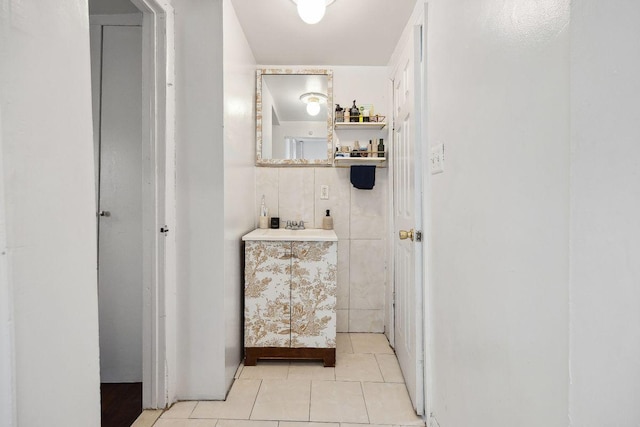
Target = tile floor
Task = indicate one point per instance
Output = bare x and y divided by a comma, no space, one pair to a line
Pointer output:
365,387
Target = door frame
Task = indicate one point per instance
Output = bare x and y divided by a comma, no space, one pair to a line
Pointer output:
427,254
158,198
159,208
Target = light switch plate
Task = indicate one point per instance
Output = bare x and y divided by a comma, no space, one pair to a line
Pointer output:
324,192
436,158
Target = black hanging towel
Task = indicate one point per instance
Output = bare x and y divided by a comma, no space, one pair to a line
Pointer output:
363,177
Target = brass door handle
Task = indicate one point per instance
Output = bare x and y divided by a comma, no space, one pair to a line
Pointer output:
403,234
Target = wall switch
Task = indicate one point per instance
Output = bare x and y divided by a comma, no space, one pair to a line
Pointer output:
324,192
436,159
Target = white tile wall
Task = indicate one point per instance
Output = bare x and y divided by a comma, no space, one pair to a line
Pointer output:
359,217
296,194
368,209
366,320
267,185
344,282
367,275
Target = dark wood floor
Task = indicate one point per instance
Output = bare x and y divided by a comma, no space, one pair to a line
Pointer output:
121,403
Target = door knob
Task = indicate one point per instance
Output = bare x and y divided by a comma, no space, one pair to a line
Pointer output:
403,234
104,213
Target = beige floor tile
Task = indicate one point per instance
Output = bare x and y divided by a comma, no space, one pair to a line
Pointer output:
357,367
389,403
370,343
285,400
179,410
238,371
390,368
238,405
343,343
185,423
246,423
337,401
147,418
367,425
300,424
266,370
299,370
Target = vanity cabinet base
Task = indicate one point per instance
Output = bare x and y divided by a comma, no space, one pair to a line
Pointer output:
252,354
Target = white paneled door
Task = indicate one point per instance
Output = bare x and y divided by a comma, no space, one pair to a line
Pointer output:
407,202
120,263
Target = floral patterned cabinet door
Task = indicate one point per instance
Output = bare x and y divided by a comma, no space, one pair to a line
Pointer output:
313,294
267,294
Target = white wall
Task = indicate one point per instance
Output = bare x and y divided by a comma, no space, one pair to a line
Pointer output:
7,379
239,176
301,130
200,200
605,208
497,76
215,191
47,177
360,216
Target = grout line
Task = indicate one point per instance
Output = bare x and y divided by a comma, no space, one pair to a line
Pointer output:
364,398
375,355
255,400
194,409
310,395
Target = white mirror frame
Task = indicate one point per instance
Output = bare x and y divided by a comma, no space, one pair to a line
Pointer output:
294,162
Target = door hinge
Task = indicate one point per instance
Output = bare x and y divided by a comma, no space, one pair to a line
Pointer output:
418,236
164,229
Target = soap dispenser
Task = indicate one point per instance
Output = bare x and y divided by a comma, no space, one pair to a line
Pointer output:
263,221
327,222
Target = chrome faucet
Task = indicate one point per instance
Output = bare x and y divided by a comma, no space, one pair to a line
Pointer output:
294,225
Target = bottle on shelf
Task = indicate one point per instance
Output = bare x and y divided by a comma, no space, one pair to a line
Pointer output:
339,113
354,114
381,148
356,149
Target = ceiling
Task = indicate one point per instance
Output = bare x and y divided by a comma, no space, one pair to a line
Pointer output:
110,7
352,32
286,90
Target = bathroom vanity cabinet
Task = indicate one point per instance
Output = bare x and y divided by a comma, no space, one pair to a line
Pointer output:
290,295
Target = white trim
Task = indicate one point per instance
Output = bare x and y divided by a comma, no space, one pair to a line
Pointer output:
159,203
427,264
419,202
122,19
7,360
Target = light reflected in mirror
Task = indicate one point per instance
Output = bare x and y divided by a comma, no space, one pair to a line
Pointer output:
289,128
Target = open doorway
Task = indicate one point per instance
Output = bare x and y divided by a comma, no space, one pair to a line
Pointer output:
133,107
116,64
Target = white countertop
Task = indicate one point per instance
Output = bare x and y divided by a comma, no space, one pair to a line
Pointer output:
309,234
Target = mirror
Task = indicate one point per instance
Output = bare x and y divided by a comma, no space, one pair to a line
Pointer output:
294,117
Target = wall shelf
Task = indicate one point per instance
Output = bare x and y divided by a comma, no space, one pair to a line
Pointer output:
359,126
350,161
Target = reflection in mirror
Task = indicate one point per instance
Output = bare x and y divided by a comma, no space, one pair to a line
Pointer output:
294,117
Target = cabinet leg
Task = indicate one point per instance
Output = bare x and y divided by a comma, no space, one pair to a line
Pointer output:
329,359
250,357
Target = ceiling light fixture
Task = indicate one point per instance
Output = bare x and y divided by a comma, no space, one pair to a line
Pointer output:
312,11
313,100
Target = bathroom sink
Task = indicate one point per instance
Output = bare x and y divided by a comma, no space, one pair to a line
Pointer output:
309,234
